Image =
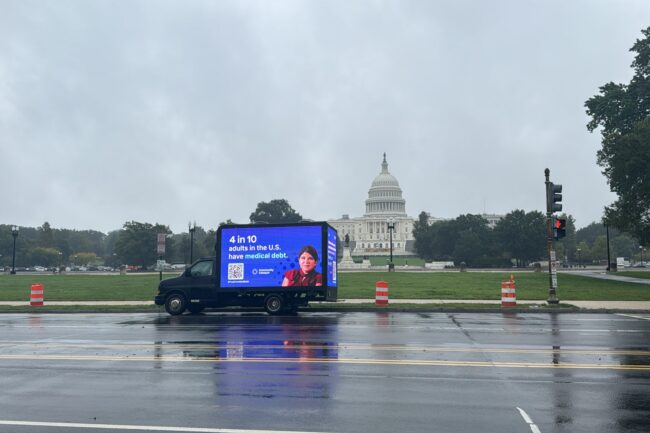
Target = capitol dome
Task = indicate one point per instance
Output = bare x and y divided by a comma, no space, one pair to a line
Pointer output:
385,195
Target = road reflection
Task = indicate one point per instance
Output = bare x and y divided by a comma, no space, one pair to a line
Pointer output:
262,356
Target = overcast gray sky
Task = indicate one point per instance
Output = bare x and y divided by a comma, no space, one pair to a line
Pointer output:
170,111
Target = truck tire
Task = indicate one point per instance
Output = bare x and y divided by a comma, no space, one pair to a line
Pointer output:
274,304
175,304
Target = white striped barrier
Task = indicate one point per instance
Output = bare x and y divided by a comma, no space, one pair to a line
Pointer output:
508,293
36,297
381,293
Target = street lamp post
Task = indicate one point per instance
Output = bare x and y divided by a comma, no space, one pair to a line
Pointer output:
579,257
14,233
642,250
391,227
609,260
192,229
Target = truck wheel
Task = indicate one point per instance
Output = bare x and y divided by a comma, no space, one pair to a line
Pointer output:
175,304
274,304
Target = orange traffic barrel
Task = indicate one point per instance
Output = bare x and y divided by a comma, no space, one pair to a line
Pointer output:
36,297
508,293
381,293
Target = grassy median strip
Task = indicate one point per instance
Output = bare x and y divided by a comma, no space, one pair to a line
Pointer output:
354,285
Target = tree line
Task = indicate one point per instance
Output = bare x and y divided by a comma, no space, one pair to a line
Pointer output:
134,244
518,239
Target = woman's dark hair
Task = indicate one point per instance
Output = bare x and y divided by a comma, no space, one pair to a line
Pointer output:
309,249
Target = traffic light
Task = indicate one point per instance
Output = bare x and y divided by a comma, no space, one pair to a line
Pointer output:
559,227
553,197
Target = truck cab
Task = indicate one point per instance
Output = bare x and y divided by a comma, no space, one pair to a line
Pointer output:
194,289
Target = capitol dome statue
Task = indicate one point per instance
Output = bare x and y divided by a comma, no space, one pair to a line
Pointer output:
369,234
385,207
385,195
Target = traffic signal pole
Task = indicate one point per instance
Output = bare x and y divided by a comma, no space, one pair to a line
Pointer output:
552,262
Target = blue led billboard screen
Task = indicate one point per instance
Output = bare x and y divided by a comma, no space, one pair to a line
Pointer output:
271,256
331,257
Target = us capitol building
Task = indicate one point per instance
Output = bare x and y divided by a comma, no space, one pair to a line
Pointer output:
369,234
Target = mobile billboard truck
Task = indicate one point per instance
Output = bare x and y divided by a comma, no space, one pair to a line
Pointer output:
279,267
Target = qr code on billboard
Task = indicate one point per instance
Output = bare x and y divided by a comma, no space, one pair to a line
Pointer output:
235,271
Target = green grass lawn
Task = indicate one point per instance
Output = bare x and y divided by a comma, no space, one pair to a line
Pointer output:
486,285
81,287
402,285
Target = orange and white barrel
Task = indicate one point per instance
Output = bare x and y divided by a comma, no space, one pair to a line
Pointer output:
381,293
36,297
508,293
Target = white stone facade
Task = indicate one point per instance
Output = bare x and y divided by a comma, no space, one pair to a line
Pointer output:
369,234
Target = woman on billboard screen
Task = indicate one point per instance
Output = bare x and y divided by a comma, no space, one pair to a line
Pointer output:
306,275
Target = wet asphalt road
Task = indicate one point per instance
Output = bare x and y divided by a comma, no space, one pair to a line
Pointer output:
325,372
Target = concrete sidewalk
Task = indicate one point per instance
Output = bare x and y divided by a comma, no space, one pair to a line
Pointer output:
588,305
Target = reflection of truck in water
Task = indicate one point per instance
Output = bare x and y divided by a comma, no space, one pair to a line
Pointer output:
276,266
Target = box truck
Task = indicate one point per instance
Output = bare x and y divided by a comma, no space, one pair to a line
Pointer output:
279,267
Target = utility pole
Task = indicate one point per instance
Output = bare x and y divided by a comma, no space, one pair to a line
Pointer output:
191,229
553,199
391,227
14,233
609,261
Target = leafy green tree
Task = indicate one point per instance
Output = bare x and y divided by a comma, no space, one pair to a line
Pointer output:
209,242
522,236
45,256
623,113
136,244
84,258
467,248
465,239
275,212
423,233
599,249
443,240
45,235
110,254
583,253
622,245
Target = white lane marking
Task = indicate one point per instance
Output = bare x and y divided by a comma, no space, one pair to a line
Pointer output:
634,316
138,427
529,421
525,416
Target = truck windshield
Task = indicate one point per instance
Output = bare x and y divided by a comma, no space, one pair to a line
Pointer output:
202,269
